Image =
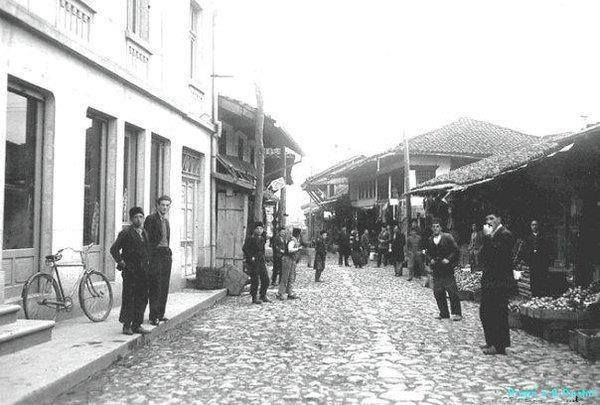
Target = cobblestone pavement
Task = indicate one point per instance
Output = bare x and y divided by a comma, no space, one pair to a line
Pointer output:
362,336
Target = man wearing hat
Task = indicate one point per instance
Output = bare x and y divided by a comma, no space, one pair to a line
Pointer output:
254,253
130,251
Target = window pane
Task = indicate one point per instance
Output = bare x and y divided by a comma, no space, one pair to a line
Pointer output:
129,172
19,188
94,136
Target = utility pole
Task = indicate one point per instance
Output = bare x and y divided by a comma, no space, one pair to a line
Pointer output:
283,197
407,183
259,154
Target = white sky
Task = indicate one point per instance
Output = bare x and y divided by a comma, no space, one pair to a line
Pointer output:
357,73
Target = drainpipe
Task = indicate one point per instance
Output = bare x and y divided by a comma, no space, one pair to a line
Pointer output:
213,154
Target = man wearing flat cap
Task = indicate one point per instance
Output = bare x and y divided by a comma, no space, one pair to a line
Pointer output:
254,253
131,253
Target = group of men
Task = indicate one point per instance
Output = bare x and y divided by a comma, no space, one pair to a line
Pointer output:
144,258
286,254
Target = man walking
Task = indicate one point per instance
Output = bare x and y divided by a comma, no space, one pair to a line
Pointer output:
496,282
398,243
535,252
130,252
383,247
343,247
254,253
288,268
413,250
159,234
320,255
356,249
365,243
278,246
442,253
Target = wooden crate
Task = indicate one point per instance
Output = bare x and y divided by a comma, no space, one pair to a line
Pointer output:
583,342
552,330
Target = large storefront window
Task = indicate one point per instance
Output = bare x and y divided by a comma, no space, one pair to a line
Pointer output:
95,137
24,125
130,174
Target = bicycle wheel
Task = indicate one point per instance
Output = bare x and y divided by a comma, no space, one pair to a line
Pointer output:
41,297
95,296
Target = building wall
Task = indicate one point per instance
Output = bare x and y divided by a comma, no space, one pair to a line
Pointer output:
73,72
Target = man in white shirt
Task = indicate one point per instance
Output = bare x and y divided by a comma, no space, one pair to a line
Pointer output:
288,267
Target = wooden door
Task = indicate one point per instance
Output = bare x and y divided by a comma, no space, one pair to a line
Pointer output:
192,197
231,228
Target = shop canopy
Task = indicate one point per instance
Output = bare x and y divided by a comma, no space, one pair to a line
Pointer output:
502,164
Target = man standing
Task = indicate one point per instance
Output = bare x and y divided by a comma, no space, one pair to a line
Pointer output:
365,243
130,252
356,249
442,253
254,253
413,250
343,247
320,255
288,269
535,252
382,247
496,282
278,246
398,243
159,235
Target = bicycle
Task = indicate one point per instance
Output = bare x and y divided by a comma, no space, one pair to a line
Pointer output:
44,297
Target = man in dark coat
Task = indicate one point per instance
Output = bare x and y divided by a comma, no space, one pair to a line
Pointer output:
254,253
320,255
442,254
343,247
383,247
159,236
397,256
496,283
356,249
535,252
365,243
278,246
130,252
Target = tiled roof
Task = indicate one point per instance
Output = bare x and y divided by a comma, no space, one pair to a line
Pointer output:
332,172
467,136
501,163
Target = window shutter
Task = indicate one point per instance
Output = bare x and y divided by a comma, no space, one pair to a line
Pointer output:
144,19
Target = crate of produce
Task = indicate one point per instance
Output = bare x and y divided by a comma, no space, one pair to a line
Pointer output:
208,278
585,342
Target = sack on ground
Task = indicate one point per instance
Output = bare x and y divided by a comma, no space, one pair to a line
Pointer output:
234,279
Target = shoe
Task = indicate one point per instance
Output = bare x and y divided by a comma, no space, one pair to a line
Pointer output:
279,297
484,347
457,317
265,299
140,330
292,297
164,319
256,301
441,317
154,322
127,330
493,351
409,279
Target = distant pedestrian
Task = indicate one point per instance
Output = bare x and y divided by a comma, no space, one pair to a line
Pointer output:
496,284
398,243
442,253
278,246
288,268
320,255
475,245
365,243
343,247
130,252
414,249
158,230
535,252
383,246
254,254
356,249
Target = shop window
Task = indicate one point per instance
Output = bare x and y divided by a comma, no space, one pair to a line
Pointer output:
94,179
159,167
130,171
23,146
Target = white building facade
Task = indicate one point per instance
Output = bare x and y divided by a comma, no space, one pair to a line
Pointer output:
108,105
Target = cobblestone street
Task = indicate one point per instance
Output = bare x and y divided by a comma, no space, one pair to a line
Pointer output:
362,336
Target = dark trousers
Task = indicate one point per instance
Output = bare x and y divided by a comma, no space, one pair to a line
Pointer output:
276,269
343,254
493,313
319,265
357,258
441,285
382,256
134,297
259,274
539,281
159,278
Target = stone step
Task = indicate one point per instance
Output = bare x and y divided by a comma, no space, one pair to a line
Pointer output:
8,314
22,334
